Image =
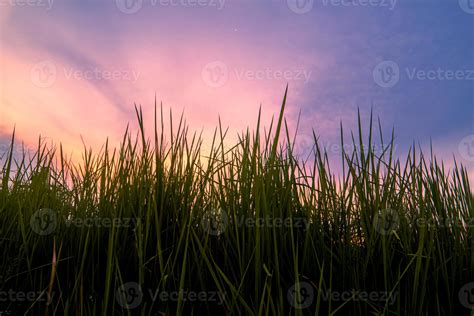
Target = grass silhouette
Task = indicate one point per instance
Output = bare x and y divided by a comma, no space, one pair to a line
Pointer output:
160,228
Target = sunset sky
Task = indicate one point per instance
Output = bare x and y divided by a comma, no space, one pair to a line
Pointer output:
71,68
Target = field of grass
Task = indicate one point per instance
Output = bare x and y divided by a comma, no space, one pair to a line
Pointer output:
158,227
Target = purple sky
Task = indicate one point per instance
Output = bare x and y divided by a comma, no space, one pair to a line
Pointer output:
72,68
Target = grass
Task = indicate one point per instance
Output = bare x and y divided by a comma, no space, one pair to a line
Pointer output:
158,227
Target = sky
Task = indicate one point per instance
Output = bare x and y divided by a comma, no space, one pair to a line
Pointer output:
74,69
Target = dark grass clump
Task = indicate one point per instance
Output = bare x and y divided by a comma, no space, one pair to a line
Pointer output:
160,227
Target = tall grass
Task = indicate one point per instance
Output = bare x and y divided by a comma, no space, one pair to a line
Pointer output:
249,229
